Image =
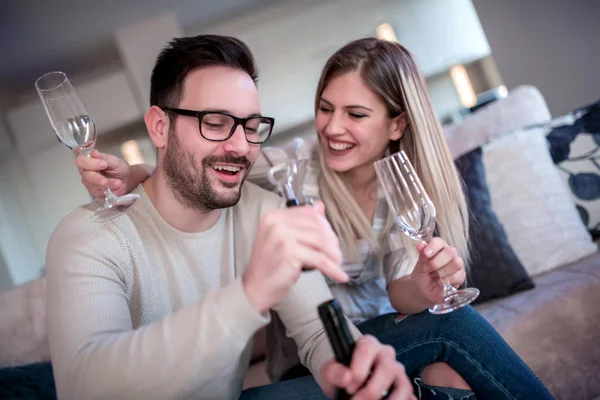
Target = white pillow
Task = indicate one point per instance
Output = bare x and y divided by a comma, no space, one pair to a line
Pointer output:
533,203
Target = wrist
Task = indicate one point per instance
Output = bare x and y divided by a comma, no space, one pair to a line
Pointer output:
418,300
254,296
138,174
406,297
419,297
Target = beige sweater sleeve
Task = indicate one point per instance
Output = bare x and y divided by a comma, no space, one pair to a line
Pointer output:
95,352
298,312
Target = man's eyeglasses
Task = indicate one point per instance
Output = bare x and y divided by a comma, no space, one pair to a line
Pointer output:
219,126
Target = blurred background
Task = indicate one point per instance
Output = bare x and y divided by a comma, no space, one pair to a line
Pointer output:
471,52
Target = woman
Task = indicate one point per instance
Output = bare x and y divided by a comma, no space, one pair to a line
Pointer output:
372,101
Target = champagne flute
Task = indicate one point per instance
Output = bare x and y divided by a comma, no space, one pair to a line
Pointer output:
414,213
76,130
282,175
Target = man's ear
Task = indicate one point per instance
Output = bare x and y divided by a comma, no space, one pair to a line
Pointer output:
398,126
157,124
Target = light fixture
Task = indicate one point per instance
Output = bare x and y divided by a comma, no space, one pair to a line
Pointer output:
502,91
386,32
463,86
131,152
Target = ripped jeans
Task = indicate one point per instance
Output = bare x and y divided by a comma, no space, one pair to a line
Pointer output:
463,339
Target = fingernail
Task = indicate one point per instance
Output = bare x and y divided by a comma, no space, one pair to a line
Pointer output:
428,252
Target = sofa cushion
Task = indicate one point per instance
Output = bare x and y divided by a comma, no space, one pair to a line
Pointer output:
575,148
23,324
533,203
494,268
554,327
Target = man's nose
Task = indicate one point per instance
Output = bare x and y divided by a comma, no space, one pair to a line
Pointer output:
237,143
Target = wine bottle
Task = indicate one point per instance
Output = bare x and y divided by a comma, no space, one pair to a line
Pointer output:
339,336
341,339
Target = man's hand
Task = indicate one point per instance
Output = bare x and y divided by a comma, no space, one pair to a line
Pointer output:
437,262
101,170
286,241
371,374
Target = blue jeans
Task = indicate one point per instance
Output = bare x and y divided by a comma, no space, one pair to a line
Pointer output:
463,339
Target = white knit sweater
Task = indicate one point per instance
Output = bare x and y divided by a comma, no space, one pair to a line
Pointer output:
140,310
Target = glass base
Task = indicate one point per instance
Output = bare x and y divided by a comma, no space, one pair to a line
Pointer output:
459,299
115,207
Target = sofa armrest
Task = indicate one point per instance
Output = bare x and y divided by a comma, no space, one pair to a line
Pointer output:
23,336
524,106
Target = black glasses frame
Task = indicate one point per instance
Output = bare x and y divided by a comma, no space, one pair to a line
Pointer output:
236,121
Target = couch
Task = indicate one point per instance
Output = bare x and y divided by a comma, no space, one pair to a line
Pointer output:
553,327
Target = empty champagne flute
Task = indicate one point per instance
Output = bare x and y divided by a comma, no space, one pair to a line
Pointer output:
414,213
76,130
282,175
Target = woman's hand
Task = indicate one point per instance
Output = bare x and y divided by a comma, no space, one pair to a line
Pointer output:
101,170
437,262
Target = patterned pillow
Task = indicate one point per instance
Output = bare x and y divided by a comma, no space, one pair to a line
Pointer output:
574,142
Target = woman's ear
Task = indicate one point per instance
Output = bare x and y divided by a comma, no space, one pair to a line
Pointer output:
398,126
157,124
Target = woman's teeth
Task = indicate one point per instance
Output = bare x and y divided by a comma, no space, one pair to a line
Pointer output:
340,146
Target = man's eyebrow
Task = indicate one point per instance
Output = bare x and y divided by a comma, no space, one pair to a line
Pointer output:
220,110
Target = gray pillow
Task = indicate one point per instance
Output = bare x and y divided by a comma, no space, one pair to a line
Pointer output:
494,269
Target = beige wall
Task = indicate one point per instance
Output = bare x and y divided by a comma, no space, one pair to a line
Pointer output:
552,44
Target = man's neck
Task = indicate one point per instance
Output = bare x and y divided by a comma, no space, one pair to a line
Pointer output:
173,211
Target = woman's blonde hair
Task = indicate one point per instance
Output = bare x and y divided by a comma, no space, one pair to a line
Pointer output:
391,72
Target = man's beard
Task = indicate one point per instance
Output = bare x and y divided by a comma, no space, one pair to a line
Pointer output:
191,185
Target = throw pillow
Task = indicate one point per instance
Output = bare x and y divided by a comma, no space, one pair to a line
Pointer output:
494,268
533,203
575,148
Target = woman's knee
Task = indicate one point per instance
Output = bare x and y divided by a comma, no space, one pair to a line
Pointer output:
443,375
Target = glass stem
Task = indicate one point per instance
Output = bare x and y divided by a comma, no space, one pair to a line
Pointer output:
109,196
449,290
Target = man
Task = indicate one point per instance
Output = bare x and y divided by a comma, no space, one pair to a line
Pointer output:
162,302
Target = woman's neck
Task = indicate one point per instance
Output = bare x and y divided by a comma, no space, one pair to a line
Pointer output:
361,180
362,183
